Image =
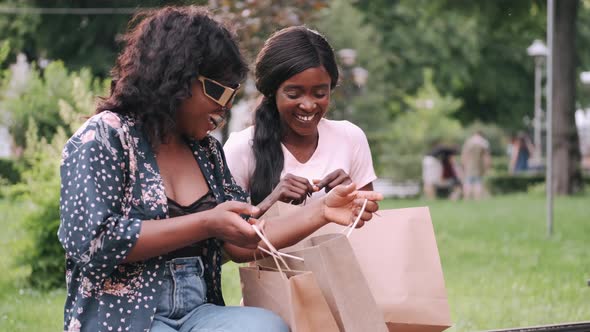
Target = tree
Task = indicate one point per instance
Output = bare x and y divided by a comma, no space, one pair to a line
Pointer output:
477,48
426,122
566,153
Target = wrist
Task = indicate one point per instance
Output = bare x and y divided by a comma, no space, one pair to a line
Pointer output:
207,221
323,213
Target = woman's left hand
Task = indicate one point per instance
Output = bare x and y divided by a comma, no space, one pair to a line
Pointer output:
332,180
343,204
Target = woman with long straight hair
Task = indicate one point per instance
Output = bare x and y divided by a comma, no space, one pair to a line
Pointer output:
293,153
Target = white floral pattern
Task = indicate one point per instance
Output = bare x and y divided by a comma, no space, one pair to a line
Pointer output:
109,183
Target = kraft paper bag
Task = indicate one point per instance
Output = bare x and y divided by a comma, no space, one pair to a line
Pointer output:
332,260
398,255
293,295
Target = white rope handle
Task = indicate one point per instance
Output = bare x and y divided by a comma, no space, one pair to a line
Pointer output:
272,250
281,254
348,230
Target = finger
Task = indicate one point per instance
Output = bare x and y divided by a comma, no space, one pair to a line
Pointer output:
298,193
372,206
323,182
303,183
305,186
366,216
370,195
292,198
344,190
341,179
360,224
240,207
329,178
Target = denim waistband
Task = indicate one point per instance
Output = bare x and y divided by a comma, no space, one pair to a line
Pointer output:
185,264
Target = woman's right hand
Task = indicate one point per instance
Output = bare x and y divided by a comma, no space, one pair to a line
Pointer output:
343,204
224,222
292,189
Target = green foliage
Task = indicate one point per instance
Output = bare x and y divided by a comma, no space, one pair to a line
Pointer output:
40,186
365,106
478,48
9,171
508,183
18,30
503,183
4,50
40,97
427,121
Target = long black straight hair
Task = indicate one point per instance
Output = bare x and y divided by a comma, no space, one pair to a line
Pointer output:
286,53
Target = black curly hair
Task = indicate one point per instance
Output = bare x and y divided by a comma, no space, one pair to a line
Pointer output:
164,53
286,53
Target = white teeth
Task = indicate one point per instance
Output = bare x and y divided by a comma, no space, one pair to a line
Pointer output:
304,118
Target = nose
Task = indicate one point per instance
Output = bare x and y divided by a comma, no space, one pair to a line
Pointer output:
308,105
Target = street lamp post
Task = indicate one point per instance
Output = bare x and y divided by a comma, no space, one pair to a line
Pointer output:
538,51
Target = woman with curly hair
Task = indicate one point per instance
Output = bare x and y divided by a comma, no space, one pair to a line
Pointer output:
293,151
148,206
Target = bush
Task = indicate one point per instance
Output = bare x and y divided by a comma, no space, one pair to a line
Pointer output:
428,120
40,182
507,183
40,97
531,183
9,171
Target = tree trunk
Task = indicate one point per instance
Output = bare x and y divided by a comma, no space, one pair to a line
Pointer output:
567,177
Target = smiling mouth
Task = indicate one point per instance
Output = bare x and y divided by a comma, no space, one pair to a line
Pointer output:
305,118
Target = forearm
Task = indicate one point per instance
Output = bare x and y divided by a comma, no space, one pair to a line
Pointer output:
158,237
266,204
285,231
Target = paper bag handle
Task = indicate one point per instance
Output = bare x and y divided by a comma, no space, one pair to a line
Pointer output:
348,230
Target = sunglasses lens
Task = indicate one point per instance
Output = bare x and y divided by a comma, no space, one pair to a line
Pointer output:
213,89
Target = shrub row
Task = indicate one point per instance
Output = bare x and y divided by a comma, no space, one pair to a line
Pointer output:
510,183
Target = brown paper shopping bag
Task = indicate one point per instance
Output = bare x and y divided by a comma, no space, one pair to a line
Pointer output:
332,260
398,255
293,295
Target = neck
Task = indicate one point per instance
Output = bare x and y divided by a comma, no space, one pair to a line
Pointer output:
292,139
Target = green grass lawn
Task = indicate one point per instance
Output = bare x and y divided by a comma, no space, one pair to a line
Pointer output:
500,268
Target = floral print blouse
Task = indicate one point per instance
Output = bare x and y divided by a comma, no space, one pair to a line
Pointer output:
110,183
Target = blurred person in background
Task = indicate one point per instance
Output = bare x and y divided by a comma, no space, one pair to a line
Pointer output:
521,151
476,160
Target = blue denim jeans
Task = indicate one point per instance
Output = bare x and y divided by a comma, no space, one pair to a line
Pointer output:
183,305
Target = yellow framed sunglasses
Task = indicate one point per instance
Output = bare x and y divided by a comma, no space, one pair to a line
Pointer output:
219,93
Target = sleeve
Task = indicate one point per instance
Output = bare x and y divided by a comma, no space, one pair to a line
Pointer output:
361,171
237,152
93,231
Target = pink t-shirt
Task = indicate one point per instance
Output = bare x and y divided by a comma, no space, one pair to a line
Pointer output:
341,145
